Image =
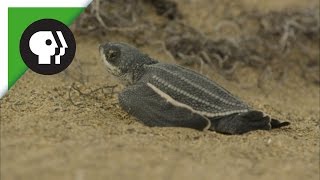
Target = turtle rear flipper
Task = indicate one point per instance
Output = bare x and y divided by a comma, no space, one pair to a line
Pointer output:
242,123
278,124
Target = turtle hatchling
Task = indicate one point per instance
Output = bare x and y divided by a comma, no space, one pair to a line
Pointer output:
168,95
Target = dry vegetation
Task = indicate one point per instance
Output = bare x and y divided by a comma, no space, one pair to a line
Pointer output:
270,41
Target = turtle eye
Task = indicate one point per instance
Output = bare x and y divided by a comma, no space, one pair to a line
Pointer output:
112,55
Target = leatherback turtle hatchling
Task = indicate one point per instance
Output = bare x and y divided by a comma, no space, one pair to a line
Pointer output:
161,94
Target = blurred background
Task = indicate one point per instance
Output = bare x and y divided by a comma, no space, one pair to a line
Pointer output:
273,40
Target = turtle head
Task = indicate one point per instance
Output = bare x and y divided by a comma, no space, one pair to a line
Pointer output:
124,61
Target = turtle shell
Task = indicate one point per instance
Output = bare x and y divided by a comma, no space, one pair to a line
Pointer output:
184,87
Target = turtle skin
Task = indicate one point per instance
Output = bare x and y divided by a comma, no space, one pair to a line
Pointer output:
195,102
170,95
147,106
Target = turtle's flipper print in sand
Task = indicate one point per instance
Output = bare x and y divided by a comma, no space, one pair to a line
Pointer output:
144,103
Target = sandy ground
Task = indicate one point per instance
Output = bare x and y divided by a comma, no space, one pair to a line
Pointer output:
51,131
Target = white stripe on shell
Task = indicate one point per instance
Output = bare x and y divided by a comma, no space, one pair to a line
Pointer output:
180,91
201,88
169,99
178,104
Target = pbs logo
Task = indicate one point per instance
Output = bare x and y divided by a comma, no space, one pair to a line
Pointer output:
44,45
47,46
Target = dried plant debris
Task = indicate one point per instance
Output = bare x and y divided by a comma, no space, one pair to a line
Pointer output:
259,39
84,94
278,36
166,8
126,16
109,15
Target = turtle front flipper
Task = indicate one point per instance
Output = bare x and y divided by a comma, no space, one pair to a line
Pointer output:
152,109
242,123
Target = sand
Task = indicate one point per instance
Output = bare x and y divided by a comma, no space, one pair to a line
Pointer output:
45,135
